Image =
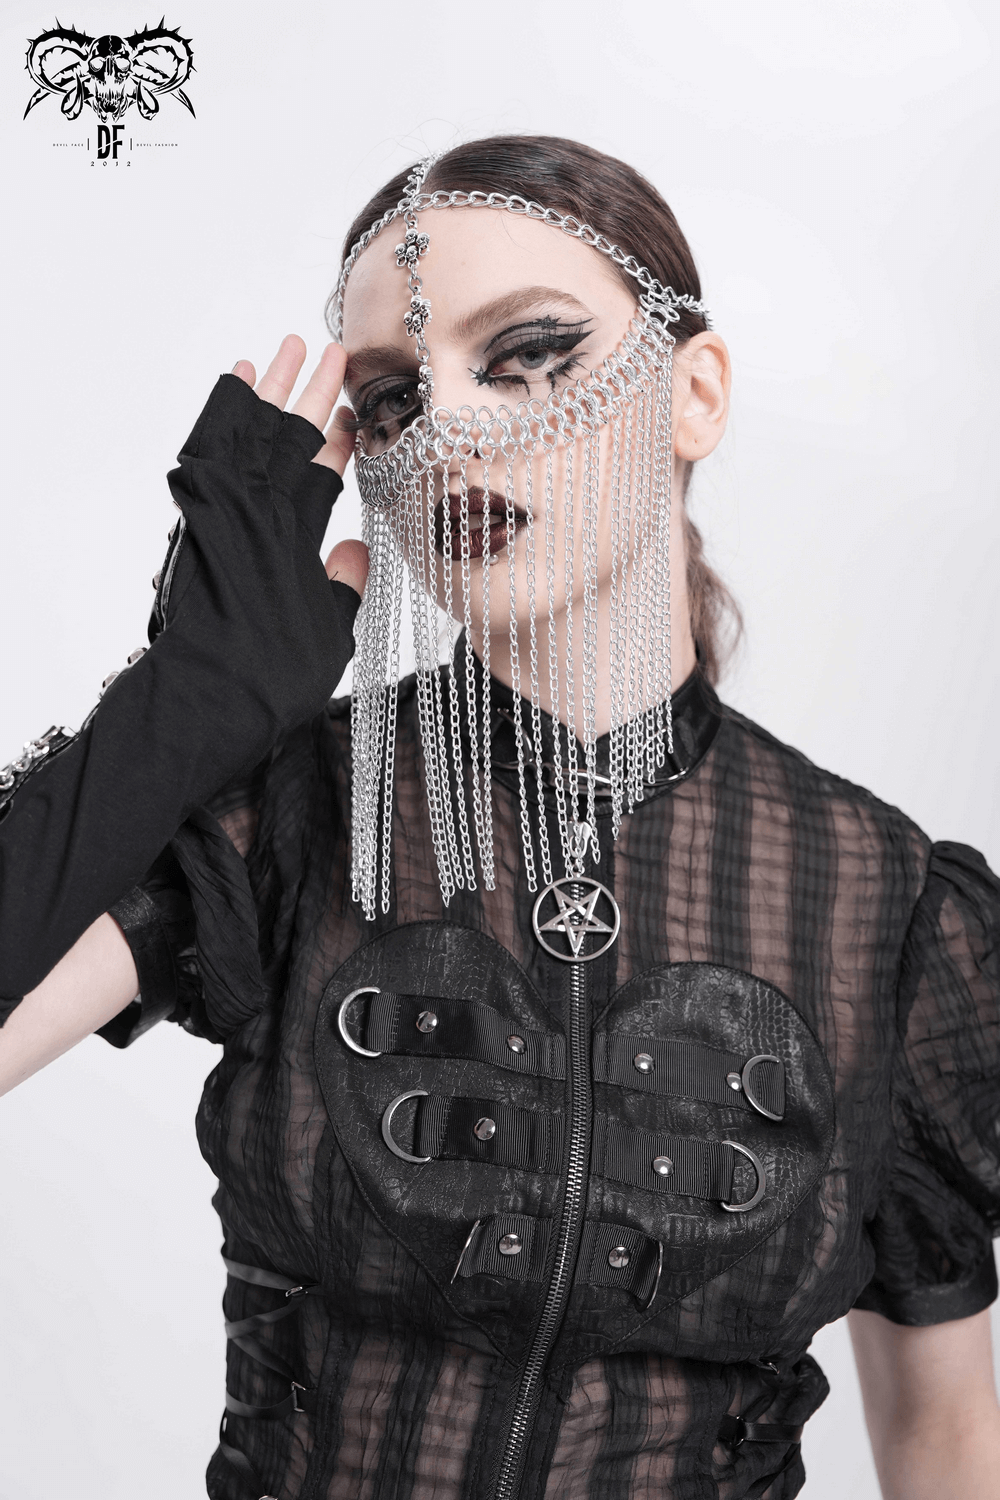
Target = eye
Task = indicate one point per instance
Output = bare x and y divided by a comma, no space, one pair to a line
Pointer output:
384,409
542,348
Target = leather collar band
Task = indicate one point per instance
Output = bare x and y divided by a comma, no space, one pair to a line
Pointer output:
697,715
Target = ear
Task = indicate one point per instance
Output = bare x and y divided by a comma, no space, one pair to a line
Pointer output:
702,377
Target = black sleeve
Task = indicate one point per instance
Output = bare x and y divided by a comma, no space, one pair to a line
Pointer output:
935,1221
248,639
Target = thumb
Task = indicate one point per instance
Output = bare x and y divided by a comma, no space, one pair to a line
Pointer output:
348,563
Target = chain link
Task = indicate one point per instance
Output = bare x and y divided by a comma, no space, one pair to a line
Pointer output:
624,404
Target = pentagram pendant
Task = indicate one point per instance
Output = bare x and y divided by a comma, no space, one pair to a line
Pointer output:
575,909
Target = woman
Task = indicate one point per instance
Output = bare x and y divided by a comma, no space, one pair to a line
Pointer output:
635,1048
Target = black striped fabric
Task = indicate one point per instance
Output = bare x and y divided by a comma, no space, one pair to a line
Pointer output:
755,864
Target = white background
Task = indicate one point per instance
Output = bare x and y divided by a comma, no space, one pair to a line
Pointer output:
834,168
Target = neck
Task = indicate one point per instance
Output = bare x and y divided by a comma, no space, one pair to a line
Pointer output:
682,661
569,624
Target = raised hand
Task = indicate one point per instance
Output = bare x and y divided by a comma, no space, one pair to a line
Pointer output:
348,562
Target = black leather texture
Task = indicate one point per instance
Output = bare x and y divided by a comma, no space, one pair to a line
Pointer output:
431,1207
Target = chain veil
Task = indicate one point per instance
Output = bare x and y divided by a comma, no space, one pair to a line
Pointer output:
608,431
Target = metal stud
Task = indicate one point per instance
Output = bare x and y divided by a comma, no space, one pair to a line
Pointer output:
735,1082
426,1021
619,1258
516,1044
485,1129
662,1166
511,1244
156,579
139,651
642,1062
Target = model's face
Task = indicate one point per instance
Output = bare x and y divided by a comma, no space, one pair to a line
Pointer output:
519,310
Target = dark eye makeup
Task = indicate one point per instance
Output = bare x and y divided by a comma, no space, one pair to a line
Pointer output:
542,348
532,349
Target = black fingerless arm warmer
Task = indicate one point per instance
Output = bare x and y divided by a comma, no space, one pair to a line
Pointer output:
249,639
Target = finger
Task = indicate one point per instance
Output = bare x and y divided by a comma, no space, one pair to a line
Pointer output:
338,449
283,371
317,400
245,371
348,563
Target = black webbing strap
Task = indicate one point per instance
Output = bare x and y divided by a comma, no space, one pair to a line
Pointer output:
735,1430
524,1241
487,1130
513,1247
689,1071
405,1025
457,1028
696,1169
242,1330
242,1466
619,1256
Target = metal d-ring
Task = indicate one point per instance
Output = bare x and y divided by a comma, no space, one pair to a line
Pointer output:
390,1110
458,1263
758,1166
751,1097
345,1035
659,1273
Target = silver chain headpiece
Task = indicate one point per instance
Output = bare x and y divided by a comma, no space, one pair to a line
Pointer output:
611,427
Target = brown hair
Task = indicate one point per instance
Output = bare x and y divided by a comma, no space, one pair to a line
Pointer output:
619,202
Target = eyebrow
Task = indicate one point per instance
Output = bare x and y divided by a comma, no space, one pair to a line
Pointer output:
475,324
378,359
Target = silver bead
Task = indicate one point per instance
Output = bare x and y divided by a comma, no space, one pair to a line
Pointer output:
139,651
108,681
485,1129
642,1062
156,579
426,1021
516,1044
619,1258
662,1166
510,1245
735,1082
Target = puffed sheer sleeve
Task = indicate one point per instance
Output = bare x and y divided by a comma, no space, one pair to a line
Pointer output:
200,877
212,923
933,1228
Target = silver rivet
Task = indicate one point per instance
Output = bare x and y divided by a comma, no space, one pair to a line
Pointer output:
108,681
485,1129
735,1082
139,651
510,1245
662,1166
426,1021
156,580
619,1258
516,1044
642,1062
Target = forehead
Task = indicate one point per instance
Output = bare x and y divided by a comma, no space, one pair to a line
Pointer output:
475,255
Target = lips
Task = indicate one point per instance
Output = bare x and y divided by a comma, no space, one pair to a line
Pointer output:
497,528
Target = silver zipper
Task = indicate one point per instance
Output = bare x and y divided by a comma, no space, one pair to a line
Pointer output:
567,1248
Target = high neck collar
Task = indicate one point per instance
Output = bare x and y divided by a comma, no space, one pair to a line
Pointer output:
697,715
